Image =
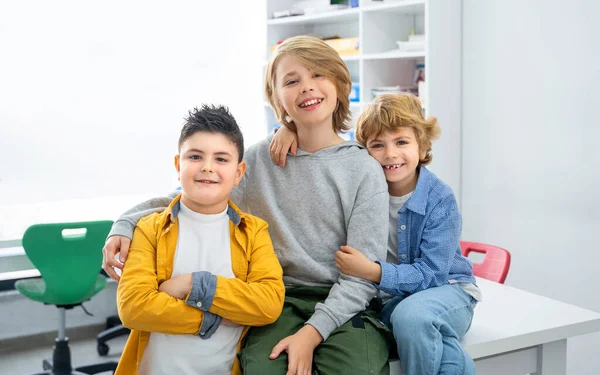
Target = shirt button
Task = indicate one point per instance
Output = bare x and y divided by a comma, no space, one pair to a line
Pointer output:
199,304
403,256
403,227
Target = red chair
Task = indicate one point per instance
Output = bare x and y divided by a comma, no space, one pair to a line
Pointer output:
495,264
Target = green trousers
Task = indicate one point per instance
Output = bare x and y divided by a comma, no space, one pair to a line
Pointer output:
360,346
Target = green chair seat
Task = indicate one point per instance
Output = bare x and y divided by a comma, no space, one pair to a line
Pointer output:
35,289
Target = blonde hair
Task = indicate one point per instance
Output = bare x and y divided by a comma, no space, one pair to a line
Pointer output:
389,112
321,59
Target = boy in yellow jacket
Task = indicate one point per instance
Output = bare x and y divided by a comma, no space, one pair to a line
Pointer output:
201,272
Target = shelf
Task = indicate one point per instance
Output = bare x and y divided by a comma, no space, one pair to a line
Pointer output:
394,55
350,57
407,7
337,16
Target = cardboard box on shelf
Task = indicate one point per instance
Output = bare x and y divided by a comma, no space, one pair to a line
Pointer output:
344,46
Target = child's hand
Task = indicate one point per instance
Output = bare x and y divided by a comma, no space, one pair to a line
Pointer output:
284,140
178,287
352,262
299,347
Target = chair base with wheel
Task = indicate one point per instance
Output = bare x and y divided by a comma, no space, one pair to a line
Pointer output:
114,328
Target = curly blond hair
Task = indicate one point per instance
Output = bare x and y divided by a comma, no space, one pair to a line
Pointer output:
389,112
321,59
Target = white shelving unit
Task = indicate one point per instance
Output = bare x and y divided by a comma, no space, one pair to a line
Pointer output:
378,26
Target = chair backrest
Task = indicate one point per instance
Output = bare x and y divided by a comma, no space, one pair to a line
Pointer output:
495,264
68,255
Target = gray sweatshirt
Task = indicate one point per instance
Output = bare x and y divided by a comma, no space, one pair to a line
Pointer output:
317,203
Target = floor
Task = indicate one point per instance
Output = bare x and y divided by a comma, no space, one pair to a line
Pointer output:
83,352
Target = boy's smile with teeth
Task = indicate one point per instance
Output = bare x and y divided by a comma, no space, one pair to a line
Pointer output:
310,102
392,166
207,181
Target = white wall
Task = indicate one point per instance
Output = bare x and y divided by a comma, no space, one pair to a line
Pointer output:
93,94
531,163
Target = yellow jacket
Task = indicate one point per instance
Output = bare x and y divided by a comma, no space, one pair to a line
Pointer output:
253,298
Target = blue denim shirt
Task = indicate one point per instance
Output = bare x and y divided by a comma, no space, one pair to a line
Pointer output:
429,255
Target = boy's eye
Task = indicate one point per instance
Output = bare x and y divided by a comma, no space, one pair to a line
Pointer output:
290,82
401,143
317,75
377,145
222,160
195,157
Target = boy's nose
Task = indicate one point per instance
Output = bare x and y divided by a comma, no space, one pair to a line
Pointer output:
207,167
307,88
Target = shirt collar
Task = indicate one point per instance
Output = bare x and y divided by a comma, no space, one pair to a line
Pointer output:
418,201
175,207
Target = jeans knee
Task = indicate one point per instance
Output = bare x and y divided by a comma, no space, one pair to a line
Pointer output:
408,325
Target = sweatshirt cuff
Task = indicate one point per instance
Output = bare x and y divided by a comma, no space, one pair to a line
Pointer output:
388,277
122,228
322,323
204,286
210,324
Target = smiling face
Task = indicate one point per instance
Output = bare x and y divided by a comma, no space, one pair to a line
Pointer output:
308,98
398,153
208,168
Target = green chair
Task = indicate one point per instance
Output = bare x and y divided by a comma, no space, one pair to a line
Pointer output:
69,259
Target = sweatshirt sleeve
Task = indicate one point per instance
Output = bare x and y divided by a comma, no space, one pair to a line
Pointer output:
126,223
367,232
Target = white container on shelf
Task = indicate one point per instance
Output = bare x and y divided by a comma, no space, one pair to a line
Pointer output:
411,46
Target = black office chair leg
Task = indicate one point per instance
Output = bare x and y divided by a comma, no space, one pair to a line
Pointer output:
111,333
101,367
61,355
112,321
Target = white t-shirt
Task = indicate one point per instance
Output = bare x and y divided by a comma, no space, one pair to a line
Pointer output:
203,244
396,204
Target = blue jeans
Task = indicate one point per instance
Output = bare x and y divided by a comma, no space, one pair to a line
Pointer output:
428,326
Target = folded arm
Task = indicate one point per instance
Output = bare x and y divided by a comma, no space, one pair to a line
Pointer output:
141,306
254,302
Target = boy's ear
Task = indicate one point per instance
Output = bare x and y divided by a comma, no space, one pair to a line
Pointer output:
241,169
177,167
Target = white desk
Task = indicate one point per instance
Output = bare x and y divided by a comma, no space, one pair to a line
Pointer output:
517,332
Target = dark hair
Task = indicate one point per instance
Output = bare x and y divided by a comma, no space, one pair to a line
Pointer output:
213,119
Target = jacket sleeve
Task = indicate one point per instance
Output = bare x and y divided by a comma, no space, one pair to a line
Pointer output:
255,302
440,239
126,223
141,306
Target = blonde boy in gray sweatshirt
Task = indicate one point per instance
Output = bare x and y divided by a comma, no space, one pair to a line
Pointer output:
331,193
